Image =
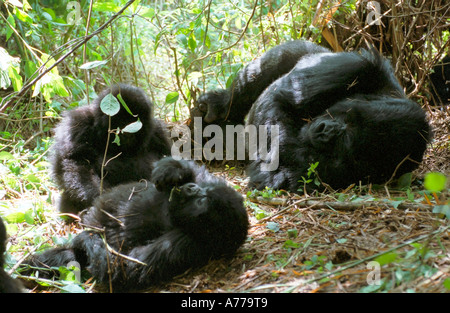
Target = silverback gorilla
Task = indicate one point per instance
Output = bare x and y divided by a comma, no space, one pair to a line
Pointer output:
81,140
345,111
180,220
7,284
232,105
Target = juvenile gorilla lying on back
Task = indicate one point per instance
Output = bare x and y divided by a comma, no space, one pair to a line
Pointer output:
345,111
81,141
181,219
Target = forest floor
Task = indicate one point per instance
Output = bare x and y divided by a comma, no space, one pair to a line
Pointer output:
326,242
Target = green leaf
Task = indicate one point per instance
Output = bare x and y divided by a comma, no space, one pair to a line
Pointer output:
272,226
291,244
404,181
32,178
172,97
442,209
192,43
91,65
435,181
147,12
29,217
117,140
16,217
122,102
447,283
109,105
103,6
386,258
16,79
292,233
72,288
133,127
24,17
4,155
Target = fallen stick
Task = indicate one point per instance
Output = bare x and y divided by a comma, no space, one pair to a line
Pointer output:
342,205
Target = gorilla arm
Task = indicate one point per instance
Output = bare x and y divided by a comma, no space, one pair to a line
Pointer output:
318,81
73,161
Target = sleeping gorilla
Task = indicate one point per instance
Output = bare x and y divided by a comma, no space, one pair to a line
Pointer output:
182,219
345,111
7,284
80,143
232,105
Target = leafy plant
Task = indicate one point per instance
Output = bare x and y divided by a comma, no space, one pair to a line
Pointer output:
311,176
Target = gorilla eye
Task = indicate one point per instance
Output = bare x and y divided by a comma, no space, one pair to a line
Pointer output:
203,107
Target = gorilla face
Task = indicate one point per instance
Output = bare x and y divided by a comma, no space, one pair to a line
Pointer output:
191,197
323,132
214,105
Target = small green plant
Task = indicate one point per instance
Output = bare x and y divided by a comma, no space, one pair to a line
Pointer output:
266,193
311,177
436,183
318,263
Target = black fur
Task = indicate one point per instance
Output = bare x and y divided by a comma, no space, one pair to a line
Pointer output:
346,111
440,82
181,220
7,284
232,105
80,143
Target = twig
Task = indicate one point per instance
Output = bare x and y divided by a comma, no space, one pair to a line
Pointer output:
110,249
338,205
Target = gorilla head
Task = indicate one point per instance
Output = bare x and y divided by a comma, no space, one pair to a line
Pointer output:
213,105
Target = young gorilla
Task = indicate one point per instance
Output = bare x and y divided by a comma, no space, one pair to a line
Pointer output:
7,284
363,128
232,105
181,220
81,141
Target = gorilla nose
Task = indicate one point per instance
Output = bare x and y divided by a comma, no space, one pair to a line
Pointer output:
190,189
325,131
